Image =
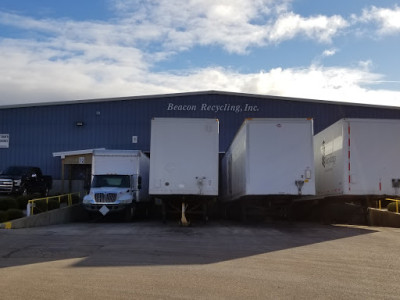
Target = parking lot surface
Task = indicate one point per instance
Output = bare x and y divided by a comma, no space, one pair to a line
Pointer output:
219,260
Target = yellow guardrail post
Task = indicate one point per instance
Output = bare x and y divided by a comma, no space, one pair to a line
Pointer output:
69,201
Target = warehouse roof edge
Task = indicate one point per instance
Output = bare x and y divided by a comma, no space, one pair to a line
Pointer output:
183,94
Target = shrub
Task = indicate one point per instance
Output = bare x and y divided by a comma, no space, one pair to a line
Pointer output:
7,203
39,206
392,207
22,201
3,216
14,213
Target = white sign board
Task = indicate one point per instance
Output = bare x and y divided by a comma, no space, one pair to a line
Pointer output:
4,140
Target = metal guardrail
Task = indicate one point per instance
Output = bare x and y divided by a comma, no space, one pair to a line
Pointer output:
390,199
31,203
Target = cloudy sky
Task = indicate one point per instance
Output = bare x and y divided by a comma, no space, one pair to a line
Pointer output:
343,50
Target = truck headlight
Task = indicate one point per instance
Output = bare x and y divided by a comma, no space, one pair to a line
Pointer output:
87,199
17,182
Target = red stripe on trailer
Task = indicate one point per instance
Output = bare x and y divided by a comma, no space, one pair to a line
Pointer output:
349,182
348,153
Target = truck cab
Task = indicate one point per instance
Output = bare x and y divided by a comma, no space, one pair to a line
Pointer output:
119,182
24,180
113,192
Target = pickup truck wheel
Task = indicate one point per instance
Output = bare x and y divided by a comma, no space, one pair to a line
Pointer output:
45,193
24,192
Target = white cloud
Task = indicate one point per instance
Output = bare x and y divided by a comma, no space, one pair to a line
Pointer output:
26,76
387,19
234,25
329,52
174,25
80,60
320,28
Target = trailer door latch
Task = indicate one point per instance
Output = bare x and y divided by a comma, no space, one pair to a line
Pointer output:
299,184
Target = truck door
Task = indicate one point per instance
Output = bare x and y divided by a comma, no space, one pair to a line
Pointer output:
32,181
136,182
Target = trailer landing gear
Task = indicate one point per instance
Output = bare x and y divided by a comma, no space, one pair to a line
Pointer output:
184,221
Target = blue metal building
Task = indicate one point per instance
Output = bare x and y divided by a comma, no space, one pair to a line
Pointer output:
32,133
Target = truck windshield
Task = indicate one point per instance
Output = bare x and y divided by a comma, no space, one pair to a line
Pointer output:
111,181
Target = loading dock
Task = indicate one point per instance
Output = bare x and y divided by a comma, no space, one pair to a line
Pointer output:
76,170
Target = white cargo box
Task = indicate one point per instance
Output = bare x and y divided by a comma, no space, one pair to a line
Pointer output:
358,157
184,156
120,162
270,157
124,162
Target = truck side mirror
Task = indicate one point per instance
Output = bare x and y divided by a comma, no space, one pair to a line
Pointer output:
139,182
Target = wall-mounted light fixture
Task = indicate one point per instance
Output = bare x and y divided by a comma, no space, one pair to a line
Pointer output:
79,124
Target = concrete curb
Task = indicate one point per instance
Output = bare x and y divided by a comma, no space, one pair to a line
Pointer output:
381,218
64,215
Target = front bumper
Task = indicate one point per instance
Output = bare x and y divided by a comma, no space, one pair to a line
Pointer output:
112,207
10,190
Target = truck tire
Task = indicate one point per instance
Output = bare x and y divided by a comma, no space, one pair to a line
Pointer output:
24,192
45,192
130,212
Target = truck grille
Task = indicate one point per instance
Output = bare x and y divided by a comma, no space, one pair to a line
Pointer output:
105,197
6,185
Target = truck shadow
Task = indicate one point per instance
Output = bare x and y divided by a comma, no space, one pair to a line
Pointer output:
149,243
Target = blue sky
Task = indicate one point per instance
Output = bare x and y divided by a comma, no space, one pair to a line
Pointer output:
328,50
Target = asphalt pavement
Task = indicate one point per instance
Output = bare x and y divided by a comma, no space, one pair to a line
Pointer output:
218,260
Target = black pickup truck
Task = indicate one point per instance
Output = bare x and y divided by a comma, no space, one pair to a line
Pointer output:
24,180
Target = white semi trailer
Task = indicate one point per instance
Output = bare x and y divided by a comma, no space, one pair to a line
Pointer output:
269,163
358,157
184,163
119,182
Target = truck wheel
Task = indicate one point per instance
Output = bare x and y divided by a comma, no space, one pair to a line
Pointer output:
129,213
45,193
24,192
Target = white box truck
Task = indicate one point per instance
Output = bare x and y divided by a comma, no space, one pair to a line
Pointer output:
270,157
358,157
184,161
119,182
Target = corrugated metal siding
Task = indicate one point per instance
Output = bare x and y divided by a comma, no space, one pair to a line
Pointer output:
37,132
